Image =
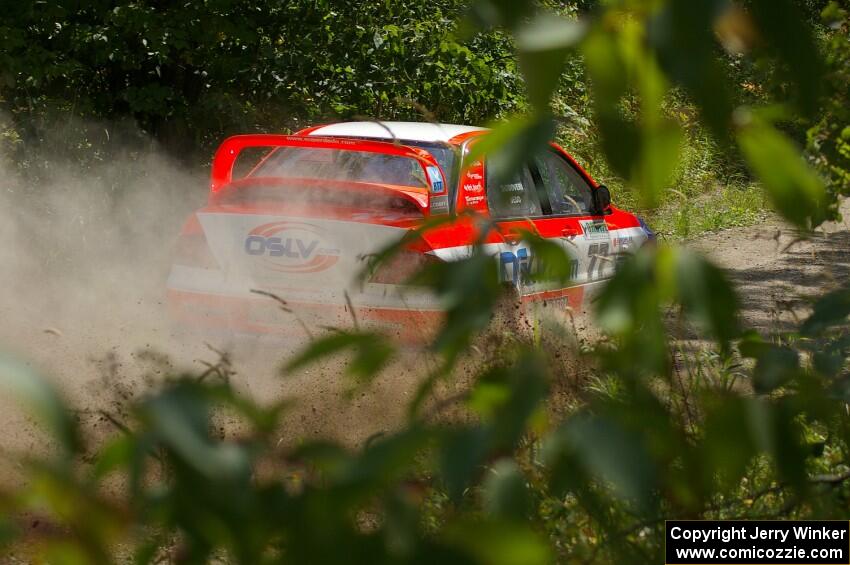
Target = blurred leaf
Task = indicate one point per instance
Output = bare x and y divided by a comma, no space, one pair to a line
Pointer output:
830,356
507,397
180,418
468,290
504,492
608,69
148,552
527,379
775,367
506,13
513,143
683,36
775,430
65,553
609,74
830,310
707,296
371,351
385,459
549,32
410,238
24,385
727,447
833,14
630,305
644,150
787,34
752,344
629,308
795,191
325,456
659,152
462,453
615,455
627,293
554,264
116,455
402,520
499,543
263,419
543,44
488,395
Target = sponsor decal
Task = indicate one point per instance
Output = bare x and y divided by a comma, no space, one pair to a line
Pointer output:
624,243
518,266
595,229
473,200
291,247
473,179
436,177
515,267
439,204
323,140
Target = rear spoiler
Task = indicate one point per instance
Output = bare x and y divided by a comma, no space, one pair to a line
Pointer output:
229,150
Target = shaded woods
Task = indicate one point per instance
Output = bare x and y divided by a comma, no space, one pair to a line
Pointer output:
758,429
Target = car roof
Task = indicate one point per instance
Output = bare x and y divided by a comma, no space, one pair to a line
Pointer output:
408,131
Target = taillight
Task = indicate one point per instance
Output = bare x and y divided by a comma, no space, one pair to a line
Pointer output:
192,250
401,267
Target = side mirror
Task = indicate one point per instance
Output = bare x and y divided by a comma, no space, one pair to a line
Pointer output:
602,200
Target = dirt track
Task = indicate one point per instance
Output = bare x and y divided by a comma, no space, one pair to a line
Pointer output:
106,359
776,273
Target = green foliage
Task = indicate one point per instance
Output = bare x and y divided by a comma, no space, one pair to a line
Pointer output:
514,482
829,137
371,352
795,190
192,73
724,208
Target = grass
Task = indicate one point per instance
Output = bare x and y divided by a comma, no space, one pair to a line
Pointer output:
725,207
710,189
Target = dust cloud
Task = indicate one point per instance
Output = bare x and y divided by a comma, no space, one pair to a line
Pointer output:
85,253
83,256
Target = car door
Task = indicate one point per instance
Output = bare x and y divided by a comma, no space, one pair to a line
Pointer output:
512,203
569,217
549,197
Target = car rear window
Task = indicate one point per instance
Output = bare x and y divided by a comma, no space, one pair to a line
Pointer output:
248,192
336,164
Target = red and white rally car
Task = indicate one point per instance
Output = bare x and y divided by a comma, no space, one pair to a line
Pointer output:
300,222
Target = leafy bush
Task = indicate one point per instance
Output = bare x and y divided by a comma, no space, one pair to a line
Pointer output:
752,427
189,74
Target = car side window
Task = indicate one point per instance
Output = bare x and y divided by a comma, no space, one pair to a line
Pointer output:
516,197
568,191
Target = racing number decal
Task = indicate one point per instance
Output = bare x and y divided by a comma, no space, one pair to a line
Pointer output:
599,255
518,267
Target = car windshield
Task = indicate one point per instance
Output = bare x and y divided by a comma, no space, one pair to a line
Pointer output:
443,153
337,164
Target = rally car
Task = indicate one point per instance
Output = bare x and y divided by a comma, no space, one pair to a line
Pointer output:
298,224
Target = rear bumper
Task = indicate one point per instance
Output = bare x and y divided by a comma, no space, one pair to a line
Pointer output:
200,311
207,310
